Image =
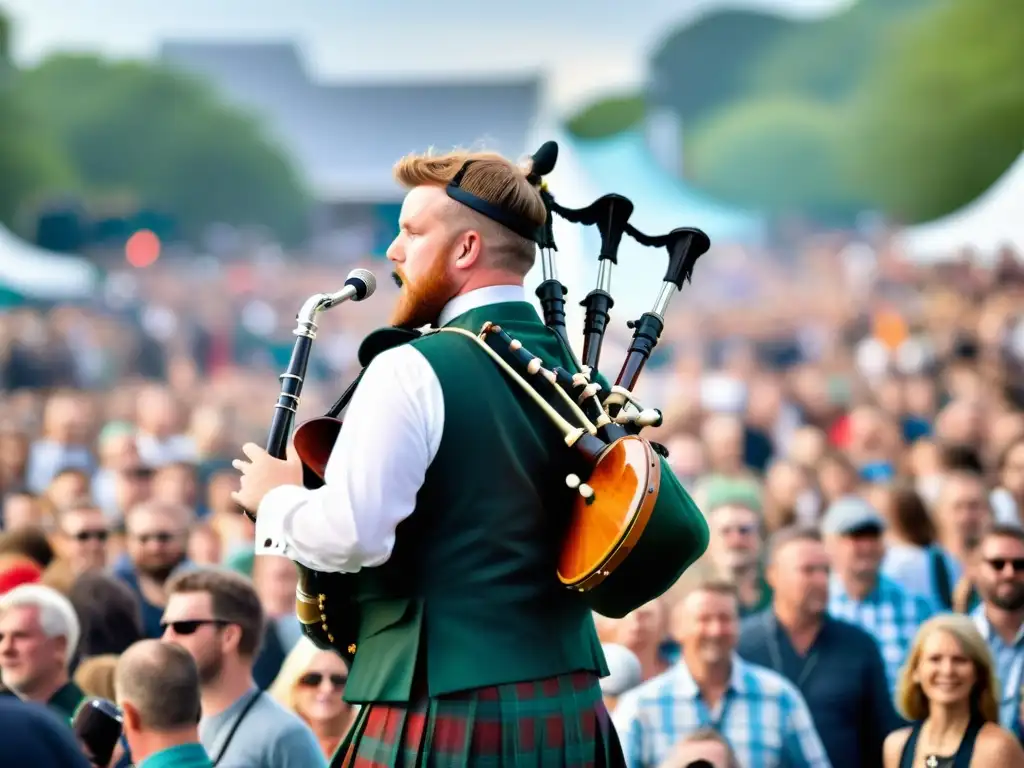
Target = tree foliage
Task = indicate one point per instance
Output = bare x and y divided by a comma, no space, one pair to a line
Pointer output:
941,116
779,155
706,65
167,141
608,117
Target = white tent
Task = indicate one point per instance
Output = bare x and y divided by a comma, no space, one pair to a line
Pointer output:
36,274
993,220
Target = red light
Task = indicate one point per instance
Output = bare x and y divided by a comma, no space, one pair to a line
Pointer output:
142,248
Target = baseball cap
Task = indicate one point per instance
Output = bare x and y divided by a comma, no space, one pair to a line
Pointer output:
851,514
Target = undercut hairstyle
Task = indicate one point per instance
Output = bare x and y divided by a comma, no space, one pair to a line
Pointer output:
785,536
494,179
232,599
161,681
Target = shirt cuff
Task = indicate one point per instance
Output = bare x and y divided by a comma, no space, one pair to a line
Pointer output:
271,515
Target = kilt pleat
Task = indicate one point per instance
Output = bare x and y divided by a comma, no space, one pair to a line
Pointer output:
560,722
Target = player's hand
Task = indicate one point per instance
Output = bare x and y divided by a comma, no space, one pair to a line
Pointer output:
262,473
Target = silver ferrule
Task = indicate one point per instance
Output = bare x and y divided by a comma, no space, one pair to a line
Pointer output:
668,290
604,275
547,264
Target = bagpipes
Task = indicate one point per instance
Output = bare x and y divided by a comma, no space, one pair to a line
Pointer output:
633,528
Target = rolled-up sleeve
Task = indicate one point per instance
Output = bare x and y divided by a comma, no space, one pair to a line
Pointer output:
390,435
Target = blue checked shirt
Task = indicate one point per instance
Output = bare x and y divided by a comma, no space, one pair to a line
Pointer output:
762,715
1009,661
889,613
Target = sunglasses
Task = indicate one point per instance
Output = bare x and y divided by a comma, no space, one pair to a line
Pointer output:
83,536
999,563
313,680
190,626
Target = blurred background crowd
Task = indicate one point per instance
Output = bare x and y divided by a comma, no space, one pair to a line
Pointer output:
842,384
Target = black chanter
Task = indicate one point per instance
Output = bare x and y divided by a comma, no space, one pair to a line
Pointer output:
323,623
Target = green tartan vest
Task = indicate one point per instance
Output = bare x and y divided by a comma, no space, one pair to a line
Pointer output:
470,597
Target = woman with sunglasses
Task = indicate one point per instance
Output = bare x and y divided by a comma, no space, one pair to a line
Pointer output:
311,683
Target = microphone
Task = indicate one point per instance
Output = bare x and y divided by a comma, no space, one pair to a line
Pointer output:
360,284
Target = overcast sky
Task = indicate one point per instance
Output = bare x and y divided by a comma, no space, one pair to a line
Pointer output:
348,38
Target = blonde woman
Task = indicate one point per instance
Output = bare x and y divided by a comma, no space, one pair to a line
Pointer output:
948,690
311,683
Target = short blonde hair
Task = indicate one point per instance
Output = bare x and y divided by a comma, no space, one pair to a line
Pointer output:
490,177
910,698
295,665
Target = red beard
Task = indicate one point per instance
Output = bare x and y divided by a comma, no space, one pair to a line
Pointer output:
421,303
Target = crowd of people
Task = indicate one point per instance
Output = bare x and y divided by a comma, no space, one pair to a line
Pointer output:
850,423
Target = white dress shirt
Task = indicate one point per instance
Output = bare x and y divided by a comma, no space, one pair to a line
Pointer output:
390,435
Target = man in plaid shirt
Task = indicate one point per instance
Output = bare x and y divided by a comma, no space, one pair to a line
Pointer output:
760,713
858,593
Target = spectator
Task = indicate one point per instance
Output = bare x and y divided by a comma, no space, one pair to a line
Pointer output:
836,666
762,714
33,737
157,541
858,593
912,558
312,685
217,617
948,690
109,613
157,688
1010,468
38,637
642,632
81,536
1000,616
624,673
95,676
705,744
961,514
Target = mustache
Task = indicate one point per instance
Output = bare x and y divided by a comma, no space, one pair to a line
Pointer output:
397,278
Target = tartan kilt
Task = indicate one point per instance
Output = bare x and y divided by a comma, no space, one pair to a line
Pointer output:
559,722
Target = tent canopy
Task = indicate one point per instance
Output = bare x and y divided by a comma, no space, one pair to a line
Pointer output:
993,220
33,274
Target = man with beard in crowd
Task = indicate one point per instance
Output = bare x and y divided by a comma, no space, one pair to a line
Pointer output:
216,616
157,537
837,666
1000,617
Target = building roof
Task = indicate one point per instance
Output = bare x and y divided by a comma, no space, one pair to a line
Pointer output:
346,136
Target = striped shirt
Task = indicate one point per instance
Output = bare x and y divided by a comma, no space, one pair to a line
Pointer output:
762,715
1009,667
888,613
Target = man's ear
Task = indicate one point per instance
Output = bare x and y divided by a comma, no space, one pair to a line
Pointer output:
132,720
468,248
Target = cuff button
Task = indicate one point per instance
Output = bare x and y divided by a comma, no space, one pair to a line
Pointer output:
268,543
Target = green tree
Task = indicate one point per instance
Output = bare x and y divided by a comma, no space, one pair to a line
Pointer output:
781,156
607,117
941,116
826,59
32,162
168,141
706,65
